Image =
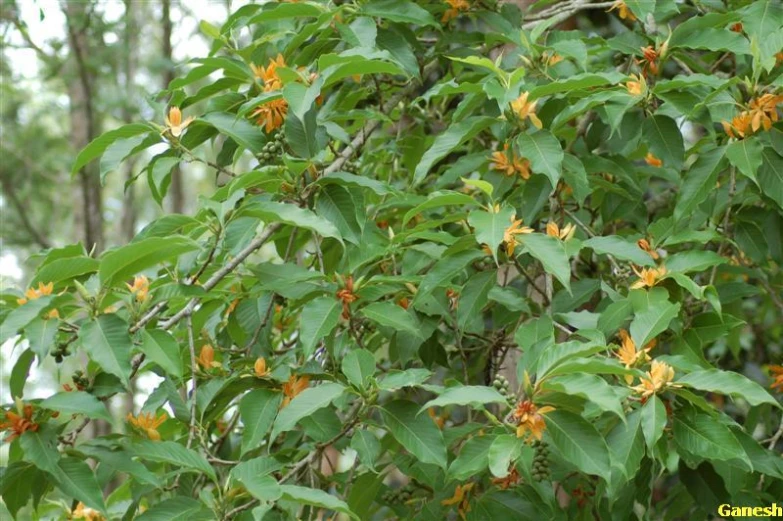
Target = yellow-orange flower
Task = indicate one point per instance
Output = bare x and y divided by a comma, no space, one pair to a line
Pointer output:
763,111
651,160
622,11
509,235
89,514
645,245
33,293
260,368
777,374
271,114
18,424
636,86
440,420
148,423
461,498
269,73
740,125
629,356
140,288
515,165
206,357
455,8
648,277
174,123
530,420
293,387
658,379
551,59
649,61
564,234
525,109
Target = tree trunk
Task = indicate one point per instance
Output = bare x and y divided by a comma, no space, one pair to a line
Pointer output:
84,124
128,222
177,188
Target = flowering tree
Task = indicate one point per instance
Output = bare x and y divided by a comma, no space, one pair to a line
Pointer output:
487,262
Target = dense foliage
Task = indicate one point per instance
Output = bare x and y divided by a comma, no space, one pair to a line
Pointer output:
489,262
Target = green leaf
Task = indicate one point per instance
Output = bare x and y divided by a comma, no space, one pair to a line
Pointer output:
77,402
476,395
41,335
704,436
445,270
394,380
551,254
710,38
319,317
590,387
401,11
286,10
305,404
693,260
239,129
178,508
641,8
291,214
61,270
76,479
366,446
438,200
652,321
337,205
474,297
574,83
119,264
393,316
664,139
653,421
614,316
472,458
771,176
620,249
303,134
160,347
265,488
102,142
173,453
725,382
626,445
40,448
257,409
699,182
359,366
578,442
504,449
457,134
315,497
20,373
490,227
417,433
108,343
22,316
121,149
544,152
745,154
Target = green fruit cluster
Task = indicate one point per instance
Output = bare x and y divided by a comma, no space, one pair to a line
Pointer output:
60,352
352,167
503,386
273,148
541,471
400,495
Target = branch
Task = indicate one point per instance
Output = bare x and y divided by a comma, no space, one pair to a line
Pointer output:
10,192
561,12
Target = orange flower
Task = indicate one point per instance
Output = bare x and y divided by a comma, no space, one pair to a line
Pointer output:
206,357
764,112
740,125
140,288
347,296
512,479
530,420
629,356
174,123
461,498
737,27
564,234
293,387
552,59
148,423
271,114
269,74
501,162
636,86
32,293
648,277
777,374
658,379
260,368
645,245
651,160
454,10
82,512
509,236
18,424
525,109
622,11
440,420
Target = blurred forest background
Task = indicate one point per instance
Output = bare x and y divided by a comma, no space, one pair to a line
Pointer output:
70,71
